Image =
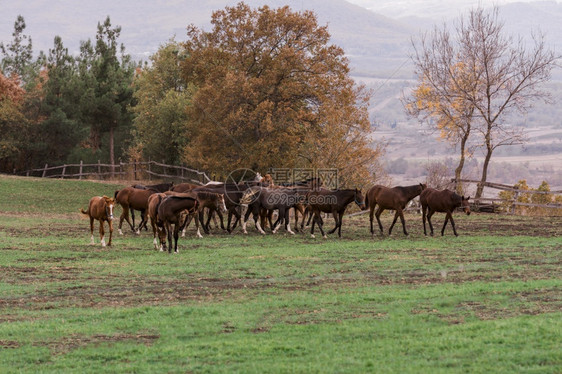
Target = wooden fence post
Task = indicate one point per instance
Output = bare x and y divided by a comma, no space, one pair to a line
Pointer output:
135,170
44,171
63,170
514,201
80,172
99,169
149,174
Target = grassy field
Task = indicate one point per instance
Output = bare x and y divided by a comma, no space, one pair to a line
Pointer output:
487,301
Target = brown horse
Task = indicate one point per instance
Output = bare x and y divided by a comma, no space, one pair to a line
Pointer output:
131,198
154,201
100,208
170,213
444,201
184,187
394,198
332,201
161,187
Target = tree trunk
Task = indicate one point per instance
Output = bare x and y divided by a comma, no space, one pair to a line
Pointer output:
112,151
480,188
458,170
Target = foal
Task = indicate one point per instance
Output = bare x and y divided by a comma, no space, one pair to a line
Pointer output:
445,201
100,208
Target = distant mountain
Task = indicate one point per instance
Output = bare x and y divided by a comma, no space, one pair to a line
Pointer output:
148,24
377,45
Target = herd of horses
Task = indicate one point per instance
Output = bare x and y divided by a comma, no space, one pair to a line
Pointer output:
171,208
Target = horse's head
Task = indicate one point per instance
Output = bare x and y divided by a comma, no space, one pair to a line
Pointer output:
267,180
465,205
360,199
109,205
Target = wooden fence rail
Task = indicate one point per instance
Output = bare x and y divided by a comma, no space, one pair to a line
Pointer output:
492,204
145,170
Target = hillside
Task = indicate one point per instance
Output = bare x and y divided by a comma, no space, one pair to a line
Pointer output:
377,46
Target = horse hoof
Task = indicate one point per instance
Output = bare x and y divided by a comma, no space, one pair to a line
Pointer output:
312,236
120,232
325,237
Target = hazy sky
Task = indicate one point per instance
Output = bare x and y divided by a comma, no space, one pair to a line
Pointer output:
427,8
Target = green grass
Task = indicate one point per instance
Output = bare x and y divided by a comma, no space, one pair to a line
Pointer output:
486,301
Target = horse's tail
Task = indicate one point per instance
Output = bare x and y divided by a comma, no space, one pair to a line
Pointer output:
115,194
84,212
367,200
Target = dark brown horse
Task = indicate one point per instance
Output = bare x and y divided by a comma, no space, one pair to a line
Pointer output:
131,198
332,201
170,212
100,208
261,201
213,202
445,201
394,198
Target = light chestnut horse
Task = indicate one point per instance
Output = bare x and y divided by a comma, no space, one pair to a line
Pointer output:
131,199
100,208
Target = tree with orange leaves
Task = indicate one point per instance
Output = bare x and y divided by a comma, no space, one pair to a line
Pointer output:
12,121
272,92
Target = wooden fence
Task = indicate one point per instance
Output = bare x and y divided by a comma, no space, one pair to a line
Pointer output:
146,170
495,204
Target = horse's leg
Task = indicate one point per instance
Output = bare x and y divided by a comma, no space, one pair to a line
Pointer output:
144,220
188,218
320,224
176,236
448,216
340,223
169,234
154,233
245,220
196,226
311,215
133,219
297,210
210,213
396,215
288,223
229,221
335,214
403,220
110,232
313,223
429,214
92,230
201,221
424,213
219,213
258,220
102,233
377,216
452,224
371,216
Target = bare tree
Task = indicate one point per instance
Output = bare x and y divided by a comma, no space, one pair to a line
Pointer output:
438,99
483,77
